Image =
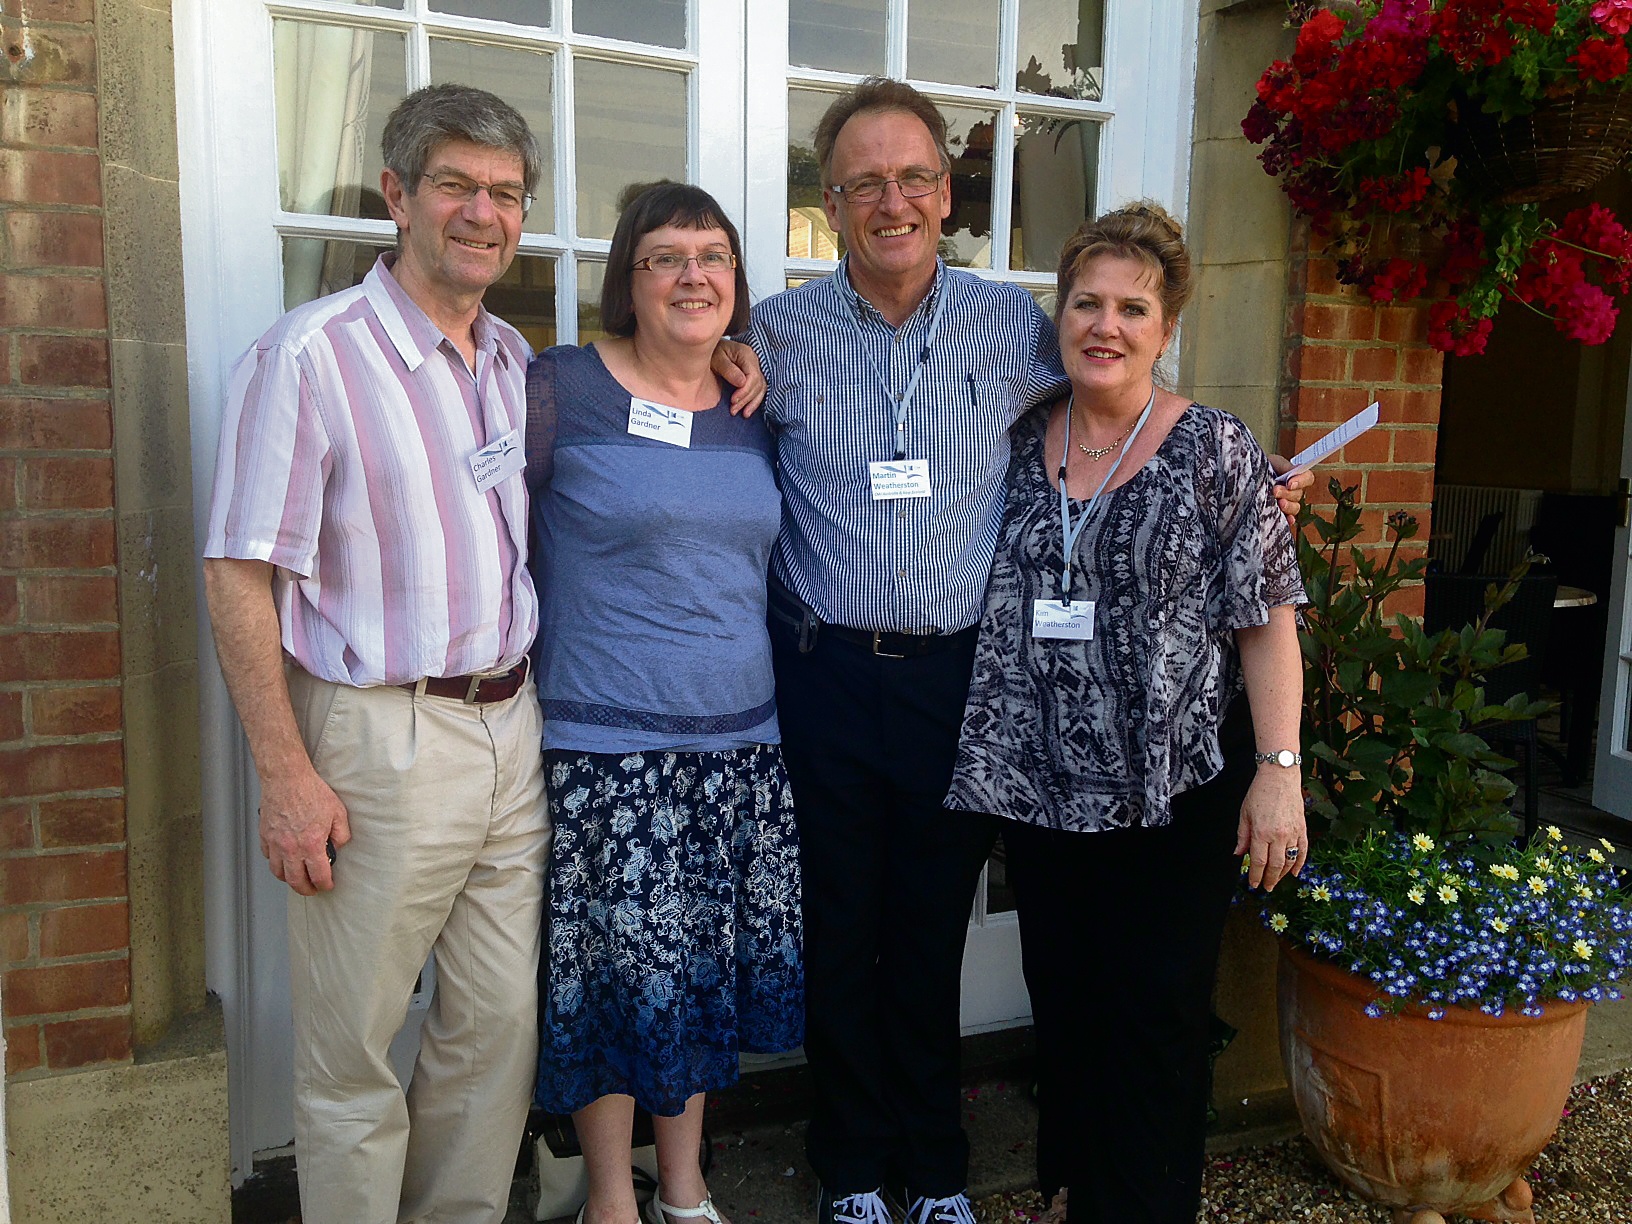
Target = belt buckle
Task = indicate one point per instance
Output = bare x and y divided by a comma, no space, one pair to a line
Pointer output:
878,637
475,686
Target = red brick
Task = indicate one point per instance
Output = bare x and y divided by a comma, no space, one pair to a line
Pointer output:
1327,405
65,823
1323,363
82,1043
62,424
11,716
55,240
9,469
1327,322
48,117
74,711
1377,365
34,176
1415,445
23,1052
56,543
62,361
1423,367
14,938
62,483
45,878
10,606
55,56
46,769
1404,602
1369,447
79,930
1409,407
16,827
70,599
1399,487
56,302
1402,324
47,989
1320,276
59,656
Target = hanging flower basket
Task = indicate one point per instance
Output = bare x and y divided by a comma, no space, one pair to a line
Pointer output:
1568,144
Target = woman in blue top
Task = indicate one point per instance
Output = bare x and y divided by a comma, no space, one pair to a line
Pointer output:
674,937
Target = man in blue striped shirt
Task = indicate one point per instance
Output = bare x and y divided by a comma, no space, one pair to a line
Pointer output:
893,384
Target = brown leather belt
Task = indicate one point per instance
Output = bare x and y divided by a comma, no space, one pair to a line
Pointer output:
476,689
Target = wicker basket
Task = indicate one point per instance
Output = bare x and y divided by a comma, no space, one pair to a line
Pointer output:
1566,145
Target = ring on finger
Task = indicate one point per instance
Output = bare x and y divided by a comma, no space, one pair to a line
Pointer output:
1292,853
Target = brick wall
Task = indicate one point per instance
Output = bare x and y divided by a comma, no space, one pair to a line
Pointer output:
64,905
1343,351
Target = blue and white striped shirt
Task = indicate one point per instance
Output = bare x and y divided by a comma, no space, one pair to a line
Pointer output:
917,565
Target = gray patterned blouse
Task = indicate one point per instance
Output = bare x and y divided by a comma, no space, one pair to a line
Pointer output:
1082,736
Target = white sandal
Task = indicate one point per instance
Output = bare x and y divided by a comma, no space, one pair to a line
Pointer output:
658,1210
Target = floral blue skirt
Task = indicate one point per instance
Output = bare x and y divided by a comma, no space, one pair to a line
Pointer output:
674,936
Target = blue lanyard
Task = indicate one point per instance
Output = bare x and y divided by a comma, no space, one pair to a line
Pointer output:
904,402
1071,534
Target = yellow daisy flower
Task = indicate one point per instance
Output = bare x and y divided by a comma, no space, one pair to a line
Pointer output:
1554,833
1278,923
1537,885
1417,894
1422,841
1582,948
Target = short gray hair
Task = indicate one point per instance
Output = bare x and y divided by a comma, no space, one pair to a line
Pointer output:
436,114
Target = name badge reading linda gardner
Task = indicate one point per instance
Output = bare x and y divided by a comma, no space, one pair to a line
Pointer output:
1052,619
498,460
659,422
894,479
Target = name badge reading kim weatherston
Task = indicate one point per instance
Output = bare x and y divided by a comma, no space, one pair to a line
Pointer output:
498,461
1052,619
894,479
660,422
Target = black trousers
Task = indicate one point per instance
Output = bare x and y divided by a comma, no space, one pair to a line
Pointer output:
889,879
1120,933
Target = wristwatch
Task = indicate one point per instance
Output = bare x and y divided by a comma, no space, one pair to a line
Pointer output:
1285,758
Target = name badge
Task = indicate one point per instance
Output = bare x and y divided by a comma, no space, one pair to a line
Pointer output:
1052,619
660,422
894,479
498,461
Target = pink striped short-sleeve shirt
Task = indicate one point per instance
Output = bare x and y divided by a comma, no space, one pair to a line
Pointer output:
345,462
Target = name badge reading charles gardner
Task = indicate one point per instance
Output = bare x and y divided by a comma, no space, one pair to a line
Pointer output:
894,479
498,461
1052,619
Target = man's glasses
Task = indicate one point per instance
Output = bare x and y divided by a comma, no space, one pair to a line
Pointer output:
457,189
869,190
671,263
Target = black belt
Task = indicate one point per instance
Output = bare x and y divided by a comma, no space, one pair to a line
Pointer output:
475,689
791,611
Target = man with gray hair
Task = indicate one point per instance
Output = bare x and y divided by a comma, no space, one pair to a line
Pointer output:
367,583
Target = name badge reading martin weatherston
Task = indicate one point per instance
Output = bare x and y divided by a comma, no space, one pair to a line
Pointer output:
1052,619
893,479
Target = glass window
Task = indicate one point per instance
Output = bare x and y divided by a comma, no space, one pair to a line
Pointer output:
662,23
524,76
954,41
1062,48
317,267
840,35
591,276
966,235
1055,180
517,12
809,235
631,125
524,297
334,87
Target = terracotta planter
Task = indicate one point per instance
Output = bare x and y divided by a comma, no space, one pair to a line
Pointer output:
1424,1115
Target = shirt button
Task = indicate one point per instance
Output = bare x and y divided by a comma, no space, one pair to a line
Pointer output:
902,572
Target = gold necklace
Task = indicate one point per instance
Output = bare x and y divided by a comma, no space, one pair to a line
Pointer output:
1096,453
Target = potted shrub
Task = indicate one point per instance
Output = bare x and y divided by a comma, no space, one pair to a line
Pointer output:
1417,136
1435,973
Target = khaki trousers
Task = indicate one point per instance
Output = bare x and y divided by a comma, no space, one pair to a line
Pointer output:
449,840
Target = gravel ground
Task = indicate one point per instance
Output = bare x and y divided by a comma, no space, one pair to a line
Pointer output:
1583,1177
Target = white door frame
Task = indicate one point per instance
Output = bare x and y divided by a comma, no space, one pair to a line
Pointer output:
1612,771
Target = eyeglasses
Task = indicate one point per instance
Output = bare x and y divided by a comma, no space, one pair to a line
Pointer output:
671,263
869,190
457,189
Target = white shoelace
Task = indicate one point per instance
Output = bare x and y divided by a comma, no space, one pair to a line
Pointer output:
865,1208
954,1210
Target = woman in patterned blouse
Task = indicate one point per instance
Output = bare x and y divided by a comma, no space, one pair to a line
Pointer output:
1138,637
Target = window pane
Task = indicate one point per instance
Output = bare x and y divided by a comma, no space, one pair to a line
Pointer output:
334,87
1062,48
517,12
999,892
522,78
591,276
1056,163
953,41
661,23
809,236
524,297
317,267
966,238
631,126
843,35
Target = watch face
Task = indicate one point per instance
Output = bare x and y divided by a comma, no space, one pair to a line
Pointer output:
1286,758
